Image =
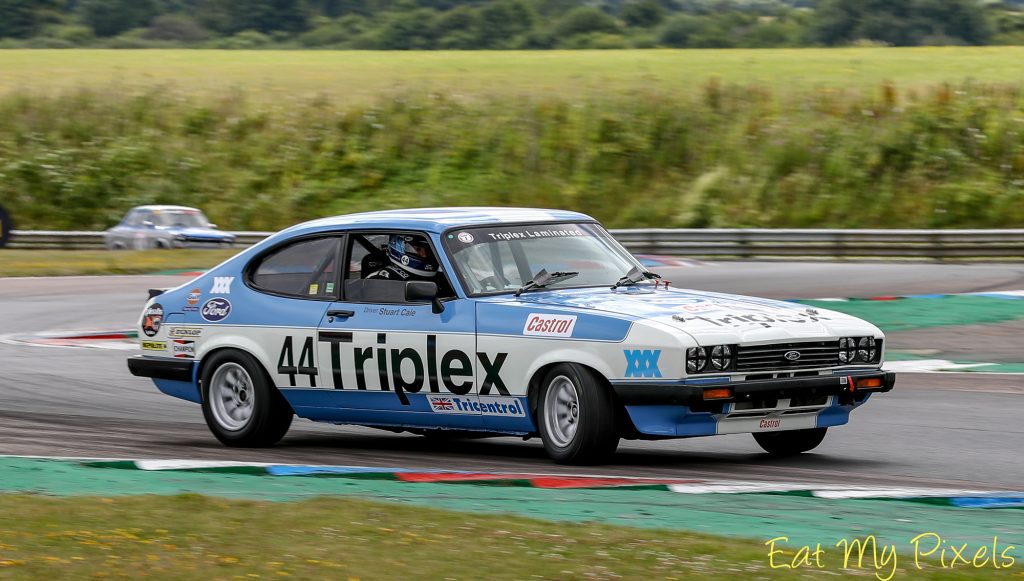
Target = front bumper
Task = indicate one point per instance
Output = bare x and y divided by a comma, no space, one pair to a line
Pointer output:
203,243
161,368
692,394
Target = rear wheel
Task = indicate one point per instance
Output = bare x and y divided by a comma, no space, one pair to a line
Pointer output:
790,443
576,416
240,405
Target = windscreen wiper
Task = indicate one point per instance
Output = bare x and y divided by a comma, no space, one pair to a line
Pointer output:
544,278
635,275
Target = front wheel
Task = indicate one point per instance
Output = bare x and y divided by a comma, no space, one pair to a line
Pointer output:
576,416
791,442
240,406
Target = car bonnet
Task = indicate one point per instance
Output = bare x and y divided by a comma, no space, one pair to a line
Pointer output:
711,318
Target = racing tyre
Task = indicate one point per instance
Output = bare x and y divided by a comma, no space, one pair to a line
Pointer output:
576,416
791,442
240,406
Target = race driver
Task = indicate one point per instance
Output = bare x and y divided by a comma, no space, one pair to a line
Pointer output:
411,259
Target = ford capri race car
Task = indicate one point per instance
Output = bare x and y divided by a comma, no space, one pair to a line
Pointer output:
501,321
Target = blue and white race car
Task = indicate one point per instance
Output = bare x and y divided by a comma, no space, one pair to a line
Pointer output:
503,321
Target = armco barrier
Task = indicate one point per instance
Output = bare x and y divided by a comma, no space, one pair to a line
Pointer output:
719,243
59,240
764,243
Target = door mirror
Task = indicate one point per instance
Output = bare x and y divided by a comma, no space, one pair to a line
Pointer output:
421,290
212,226
148,224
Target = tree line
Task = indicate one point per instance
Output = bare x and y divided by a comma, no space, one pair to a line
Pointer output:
505,24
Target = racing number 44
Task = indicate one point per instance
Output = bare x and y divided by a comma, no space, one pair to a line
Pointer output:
286,361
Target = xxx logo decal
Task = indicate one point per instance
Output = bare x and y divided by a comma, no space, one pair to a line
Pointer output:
642,362
222,285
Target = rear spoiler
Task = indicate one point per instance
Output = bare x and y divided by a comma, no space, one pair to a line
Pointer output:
155,292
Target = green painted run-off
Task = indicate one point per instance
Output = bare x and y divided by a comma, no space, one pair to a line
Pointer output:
904,314
803,519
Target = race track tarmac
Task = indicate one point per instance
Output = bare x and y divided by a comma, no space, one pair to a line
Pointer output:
945,430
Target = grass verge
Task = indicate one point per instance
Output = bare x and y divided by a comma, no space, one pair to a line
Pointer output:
354,77
84,262
325,538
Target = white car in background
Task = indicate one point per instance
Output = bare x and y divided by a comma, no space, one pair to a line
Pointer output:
146,227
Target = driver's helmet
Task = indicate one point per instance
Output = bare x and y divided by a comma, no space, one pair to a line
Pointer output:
411,253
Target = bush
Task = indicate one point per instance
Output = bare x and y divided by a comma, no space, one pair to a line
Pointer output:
45,42
334,33
678,31
77,35
245,40
595,40
585,20
725,156
176,27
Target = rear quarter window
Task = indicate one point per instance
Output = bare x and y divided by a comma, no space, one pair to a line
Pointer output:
303,269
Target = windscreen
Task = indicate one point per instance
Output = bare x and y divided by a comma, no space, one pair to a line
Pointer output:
182,219
502,259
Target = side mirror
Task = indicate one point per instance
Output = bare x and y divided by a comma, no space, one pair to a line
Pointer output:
148,224
422,290
212,226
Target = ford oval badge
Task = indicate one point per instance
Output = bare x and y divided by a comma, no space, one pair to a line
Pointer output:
792,355
216,309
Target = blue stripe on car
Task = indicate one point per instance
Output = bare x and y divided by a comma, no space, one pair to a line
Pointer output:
510,319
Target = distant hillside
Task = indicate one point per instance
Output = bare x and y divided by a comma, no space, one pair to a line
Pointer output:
505,24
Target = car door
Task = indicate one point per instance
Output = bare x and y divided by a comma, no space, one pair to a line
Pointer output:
123,235
290,287
391,361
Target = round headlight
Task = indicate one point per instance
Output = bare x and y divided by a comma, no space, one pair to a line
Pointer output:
866,350
696,359
847,349
721,357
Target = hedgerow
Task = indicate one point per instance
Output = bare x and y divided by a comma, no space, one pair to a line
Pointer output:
717,156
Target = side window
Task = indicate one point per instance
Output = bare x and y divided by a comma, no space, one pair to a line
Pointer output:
304,269
372,277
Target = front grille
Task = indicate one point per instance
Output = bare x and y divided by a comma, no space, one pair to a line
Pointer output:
772,357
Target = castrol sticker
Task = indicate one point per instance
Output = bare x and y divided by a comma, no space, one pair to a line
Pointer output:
542,325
